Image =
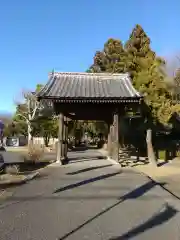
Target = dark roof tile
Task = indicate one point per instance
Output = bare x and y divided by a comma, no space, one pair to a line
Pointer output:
87,86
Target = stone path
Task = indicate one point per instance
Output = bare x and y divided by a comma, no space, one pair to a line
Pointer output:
89,199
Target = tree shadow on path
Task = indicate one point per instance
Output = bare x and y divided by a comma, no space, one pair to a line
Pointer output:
138,192
84,182
85,158
89,169
157,219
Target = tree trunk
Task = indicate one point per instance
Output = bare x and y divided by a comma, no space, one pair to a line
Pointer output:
46,140
29,134
60,145
150,150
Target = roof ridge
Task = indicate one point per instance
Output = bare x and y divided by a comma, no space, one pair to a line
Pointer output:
88,74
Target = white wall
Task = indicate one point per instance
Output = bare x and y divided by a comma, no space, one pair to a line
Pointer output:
40,140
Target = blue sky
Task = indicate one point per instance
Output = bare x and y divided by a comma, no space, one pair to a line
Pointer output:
39,35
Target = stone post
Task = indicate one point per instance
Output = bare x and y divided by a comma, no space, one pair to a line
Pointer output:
116,136
150,150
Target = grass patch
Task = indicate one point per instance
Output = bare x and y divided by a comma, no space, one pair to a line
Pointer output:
31,167
162,154
9,177
23,167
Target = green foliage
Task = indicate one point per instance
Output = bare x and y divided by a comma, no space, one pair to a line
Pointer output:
145,68
38,87
93,129
111,58
46,127
148,75
176,86
177,78
99,128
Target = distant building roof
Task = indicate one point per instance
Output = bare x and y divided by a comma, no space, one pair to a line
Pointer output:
89,87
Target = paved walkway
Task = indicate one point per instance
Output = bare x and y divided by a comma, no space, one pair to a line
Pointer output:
89,199
168,175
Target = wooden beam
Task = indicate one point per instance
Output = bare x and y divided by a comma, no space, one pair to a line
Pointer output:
92,116
88,111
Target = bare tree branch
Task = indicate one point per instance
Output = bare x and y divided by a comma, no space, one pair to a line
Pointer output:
28,110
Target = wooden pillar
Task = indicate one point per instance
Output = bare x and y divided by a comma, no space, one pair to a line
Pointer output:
116,136
109,139
59,148
65,138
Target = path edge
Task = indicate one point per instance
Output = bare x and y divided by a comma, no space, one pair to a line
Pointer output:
157,183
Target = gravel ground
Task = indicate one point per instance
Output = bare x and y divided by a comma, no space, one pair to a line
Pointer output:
89,199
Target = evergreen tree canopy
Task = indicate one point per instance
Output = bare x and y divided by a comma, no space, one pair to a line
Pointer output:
145,68
111,59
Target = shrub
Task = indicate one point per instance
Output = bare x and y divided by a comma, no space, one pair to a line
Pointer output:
2,149
12,169
35,153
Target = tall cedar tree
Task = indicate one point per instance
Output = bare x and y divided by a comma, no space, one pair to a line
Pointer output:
111,59
144,67
139,53
147,72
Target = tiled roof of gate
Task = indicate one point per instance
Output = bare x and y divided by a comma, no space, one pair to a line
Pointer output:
63,86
